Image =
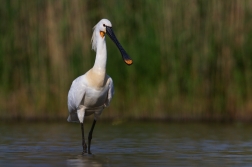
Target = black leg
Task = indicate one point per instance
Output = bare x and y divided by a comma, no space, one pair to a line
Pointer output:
90,137
84,145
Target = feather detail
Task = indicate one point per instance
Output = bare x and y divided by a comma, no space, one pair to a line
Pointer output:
94,39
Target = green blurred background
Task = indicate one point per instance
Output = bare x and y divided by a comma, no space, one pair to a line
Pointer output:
192,58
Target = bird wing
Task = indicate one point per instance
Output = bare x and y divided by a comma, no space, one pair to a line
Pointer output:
76,93
110,91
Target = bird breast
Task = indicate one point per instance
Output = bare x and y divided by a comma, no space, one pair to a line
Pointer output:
96,79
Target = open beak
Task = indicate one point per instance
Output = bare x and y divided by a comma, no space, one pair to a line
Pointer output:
125,56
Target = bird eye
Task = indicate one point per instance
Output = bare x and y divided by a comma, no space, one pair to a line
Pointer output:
104,25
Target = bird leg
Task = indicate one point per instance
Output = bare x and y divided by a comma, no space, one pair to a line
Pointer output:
90,136
84,145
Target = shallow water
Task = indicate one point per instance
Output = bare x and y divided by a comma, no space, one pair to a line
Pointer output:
126,144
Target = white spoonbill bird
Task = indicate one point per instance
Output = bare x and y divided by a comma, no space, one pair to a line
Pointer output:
92,92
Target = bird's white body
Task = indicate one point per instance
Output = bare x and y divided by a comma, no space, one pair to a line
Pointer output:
84,100
93,91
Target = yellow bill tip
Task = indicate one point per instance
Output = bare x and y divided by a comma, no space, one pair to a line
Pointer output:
128,61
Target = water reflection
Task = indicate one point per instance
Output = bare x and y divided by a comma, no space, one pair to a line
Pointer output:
84,161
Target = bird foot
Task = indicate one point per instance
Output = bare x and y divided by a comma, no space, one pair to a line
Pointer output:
84,148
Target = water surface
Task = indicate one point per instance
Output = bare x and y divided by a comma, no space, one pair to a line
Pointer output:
126,144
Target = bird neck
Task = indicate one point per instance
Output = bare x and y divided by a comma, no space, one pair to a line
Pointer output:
101,56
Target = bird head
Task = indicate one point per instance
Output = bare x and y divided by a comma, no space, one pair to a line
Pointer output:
103,27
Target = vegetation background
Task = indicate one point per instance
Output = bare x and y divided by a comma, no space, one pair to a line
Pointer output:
192,59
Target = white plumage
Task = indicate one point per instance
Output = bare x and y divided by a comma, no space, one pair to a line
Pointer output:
92,92
83,99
